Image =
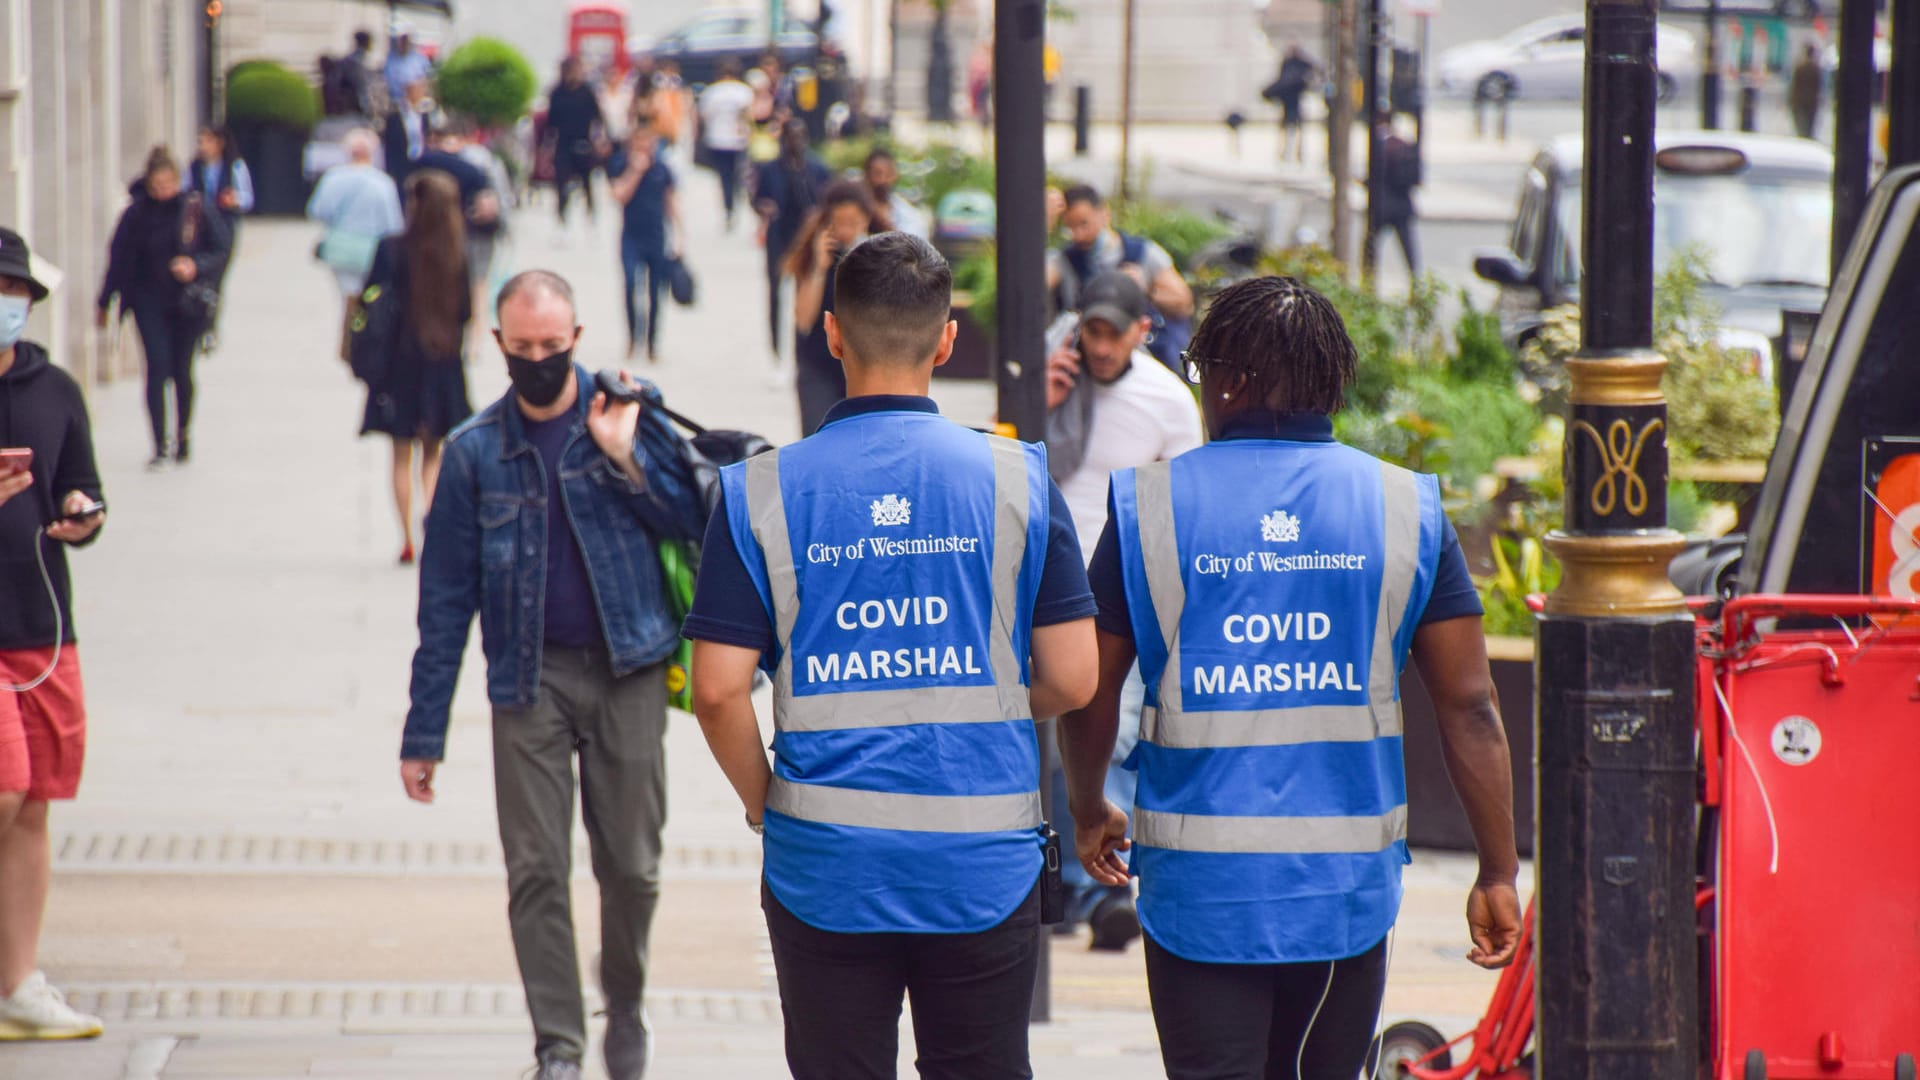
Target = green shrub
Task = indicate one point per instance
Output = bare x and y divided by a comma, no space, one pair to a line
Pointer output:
488,80
260,92
1181,231
978,275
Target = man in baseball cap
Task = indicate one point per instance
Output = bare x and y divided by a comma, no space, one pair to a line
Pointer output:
49,501
1110,405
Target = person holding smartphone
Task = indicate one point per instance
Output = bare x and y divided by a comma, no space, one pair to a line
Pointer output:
842,220
49,500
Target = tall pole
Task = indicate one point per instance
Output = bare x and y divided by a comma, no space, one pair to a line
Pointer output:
1616,992
1340,135
1852,123
1710,74
1020,178
893,61
1903,86
1370,116
1126,101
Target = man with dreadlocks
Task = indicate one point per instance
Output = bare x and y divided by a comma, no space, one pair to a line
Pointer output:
1272,584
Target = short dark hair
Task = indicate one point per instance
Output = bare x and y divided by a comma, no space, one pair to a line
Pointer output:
880,153
1288,339
892,297
727,68
1083,193
362,39
536,283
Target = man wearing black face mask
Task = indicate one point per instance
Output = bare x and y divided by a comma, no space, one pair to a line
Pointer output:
546,519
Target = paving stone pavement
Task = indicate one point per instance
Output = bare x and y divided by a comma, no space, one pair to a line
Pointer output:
242,888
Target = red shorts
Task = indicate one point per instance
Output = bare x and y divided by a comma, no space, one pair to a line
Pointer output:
43,732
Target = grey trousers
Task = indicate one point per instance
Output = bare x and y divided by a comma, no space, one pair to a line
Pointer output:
616,726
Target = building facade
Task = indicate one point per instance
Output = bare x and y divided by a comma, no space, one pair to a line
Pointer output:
87,88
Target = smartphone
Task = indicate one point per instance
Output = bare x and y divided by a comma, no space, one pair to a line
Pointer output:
93,508
15,460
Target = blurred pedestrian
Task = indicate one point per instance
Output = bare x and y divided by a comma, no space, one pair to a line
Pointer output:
577,630
1805,87
408,128
651,237
1297,73
1110,405
726,124
575,129
980,86
891,210
900,814
1271,822
360,206
406,65
1094,247
843,219
772,92
423,395
44,506
785,190
1399,175
166,258
220,178
481,197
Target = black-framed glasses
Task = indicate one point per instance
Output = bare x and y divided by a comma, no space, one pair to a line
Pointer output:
1196,364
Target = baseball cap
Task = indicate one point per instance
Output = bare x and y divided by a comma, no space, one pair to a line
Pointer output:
17,262
1113,298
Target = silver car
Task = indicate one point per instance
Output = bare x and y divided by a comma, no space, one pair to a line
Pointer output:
1547,60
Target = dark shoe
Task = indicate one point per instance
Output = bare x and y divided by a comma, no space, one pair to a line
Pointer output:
558,1069
180,451
628,1045
1115,923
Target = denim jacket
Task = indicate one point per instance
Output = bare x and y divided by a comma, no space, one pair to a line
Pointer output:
486,551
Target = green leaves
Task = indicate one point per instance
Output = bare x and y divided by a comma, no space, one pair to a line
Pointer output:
487,80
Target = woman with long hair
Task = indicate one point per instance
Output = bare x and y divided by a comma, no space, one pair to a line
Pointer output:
842,219
167,250
424,394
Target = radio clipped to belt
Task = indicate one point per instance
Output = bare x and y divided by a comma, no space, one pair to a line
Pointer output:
1053,889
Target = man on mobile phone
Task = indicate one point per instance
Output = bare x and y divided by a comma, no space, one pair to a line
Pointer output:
47,482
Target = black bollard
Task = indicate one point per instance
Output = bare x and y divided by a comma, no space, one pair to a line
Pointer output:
1749,108
1082,119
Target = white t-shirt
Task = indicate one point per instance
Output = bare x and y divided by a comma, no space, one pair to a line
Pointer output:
726,110
1146,415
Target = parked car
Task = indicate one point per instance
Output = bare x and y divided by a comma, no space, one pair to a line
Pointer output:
1547,60
699,45
1759,208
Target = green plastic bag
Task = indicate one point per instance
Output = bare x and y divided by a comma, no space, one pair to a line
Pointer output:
679,566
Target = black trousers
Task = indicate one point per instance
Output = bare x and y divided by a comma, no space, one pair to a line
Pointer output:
726,165
1409,243
170,340
1249,1021
840,995
571,163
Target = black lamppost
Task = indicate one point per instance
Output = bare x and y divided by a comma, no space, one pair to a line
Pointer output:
1853,94
1617,987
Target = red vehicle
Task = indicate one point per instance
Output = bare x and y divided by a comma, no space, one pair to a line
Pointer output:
597,35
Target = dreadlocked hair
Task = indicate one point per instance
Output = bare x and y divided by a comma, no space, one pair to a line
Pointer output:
1286,338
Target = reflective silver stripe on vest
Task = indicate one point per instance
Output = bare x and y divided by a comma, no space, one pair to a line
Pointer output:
892,810
1269,835
1171,725
1006,700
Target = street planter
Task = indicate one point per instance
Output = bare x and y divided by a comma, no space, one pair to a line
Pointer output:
1434,816
273,156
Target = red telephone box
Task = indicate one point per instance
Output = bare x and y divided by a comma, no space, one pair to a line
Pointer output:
597,35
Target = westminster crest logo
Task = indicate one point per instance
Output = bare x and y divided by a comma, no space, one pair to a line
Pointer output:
1280,527
892,510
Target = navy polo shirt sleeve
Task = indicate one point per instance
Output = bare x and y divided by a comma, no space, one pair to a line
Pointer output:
1453,594
727,608
1064,595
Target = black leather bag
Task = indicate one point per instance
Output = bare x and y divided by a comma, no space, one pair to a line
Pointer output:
680,283
373,330
705,450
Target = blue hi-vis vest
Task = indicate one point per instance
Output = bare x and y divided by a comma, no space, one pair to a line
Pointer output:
899,557
1274,589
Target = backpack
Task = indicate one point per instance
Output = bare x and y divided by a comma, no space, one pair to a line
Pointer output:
703,451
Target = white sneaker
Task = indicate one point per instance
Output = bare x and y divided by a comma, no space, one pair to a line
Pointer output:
38,1011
